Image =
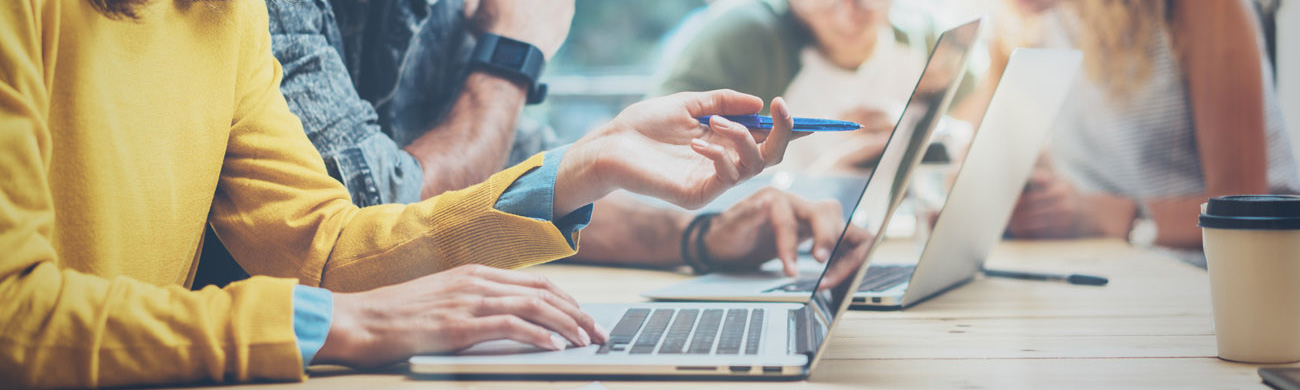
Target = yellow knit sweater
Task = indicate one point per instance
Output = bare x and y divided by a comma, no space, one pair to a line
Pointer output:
120,140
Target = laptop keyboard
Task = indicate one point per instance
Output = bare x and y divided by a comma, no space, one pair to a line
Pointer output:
686,331
879,278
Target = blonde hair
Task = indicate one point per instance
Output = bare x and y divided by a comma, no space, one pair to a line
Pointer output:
1115,36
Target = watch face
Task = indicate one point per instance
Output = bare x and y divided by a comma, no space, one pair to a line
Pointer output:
509,54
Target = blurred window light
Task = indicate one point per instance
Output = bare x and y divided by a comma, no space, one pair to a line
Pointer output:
608,61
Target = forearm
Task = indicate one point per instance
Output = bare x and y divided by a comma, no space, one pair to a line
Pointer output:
342,248
67,329
1222,60
474,140
455,228
1176,220
626,231
1107,215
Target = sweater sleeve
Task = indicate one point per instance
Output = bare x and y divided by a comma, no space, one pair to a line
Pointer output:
279,213
63,328
533,196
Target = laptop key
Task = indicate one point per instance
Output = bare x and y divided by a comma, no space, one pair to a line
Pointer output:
625,330
679,331
886,282
654,330
755,334
705,332
890,277
733,332
802,332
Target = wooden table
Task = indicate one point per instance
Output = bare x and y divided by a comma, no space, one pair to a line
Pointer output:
1150,328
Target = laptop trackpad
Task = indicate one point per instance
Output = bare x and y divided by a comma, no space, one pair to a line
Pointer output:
510,347
806,266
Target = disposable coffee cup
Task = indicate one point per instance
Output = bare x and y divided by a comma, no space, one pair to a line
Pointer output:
1252,249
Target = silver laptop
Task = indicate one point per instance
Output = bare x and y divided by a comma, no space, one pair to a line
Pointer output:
753,340
1000,159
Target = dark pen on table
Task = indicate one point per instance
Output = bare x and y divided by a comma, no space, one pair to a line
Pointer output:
1081,279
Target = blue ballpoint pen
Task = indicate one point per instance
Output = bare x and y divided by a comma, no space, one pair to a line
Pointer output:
760,122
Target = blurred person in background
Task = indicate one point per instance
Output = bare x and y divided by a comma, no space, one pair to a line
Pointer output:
1176,106
387,94
839,59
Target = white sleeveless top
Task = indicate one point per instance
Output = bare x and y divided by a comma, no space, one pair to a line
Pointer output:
1145,146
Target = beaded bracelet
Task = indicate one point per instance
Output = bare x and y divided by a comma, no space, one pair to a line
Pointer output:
701,263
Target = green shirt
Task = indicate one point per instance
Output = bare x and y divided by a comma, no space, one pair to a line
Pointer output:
752,47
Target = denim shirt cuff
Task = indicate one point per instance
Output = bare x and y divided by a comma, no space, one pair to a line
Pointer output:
533,195
313,309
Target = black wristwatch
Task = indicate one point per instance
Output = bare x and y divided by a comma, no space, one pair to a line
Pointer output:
509,58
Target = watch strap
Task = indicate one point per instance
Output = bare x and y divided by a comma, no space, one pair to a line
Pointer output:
513,59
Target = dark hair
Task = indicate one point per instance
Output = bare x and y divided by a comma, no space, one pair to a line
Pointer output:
117,9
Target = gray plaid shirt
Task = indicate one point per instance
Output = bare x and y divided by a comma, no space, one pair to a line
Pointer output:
372,77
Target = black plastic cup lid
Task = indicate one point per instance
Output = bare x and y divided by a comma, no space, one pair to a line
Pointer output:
1252,212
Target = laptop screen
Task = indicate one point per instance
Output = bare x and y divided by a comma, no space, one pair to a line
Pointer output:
888,181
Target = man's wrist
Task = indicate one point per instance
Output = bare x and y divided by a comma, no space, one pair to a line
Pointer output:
487,107
498,82
513,59
494,86
680,221
694,250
